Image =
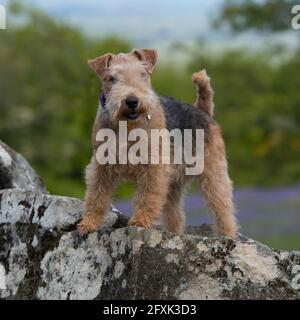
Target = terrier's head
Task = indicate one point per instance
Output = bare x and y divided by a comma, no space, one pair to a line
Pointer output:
127,93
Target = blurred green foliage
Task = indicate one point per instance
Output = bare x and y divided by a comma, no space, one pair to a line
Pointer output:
49,96
282,242
266,15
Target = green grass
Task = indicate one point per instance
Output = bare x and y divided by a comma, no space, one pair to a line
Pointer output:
72,188
282,242
125,191
65,187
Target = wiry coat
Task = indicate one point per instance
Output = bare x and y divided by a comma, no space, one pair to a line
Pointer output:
160,187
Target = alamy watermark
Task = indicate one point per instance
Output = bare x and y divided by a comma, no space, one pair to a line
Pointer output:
296,279
2,17
296,19
2,277
161,146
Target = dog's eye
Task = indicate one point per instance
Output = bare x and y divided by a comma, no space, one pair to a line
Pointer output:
112,79
144,74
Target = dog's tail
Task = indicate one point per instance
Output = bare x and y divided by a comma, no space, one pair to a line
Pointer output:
205,92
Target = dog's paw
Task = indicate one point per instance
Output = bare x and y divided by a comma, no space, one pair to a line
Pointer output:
200,78
83,229
139,223
90,223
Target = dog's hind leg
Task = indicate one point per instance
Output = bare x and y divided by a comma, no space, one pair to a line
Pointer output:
216,185
205,92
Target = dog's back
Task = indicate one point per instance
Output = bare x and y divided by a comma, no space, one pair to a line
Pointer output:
180,115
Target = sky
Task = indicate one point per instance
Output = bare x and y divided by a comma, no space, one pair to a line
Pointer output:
149,23
144,21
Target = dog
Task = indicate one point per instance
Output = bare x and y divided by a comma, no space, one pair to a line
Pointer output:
127,95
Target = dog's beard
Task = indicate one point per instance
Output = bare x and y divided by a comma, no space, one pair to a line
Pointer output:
123,113
118,111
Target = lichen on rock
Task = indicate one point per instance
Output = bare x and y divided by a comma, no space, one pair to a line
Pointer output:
15,172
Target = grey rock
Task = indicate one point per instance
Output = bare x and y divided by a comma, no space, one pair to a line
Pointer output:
43,257
15,172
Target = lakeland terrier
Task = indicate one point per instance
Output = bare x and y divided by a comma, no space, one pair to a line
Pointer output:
127,96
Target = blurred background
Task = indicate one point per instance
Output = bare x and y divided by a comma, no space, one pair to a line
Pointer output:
49,96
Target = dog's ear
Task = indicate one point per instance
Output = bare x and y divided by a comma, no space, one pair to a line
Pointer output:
100,65
148,56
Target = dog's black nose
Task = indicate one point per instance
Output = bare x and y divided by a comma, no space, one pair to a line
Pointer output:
132,102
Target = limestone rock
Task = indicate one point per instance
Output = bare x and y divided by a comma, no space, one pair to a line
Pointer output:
15,172
43,257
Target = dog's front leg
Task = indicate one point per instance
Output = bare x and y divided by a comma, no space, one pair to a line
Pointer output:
152,188
98,197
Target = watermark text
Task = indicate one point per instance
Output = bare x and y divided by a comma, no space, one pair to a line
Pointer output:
160,146
296,279
2,17
296,19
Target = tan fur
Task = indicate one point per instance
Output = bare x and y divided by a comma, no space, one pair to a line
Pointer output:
216,184
204,92
173,214
159,187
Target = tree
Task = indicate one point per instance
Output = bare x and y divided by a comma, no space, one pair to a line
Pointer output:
267,15
48,95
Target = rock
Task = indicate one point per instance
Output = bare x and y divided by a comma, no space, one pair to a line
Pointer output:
43,257
15,172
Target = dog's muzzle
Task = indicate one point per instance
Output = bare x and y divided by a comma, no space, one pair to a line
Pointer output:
132,108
